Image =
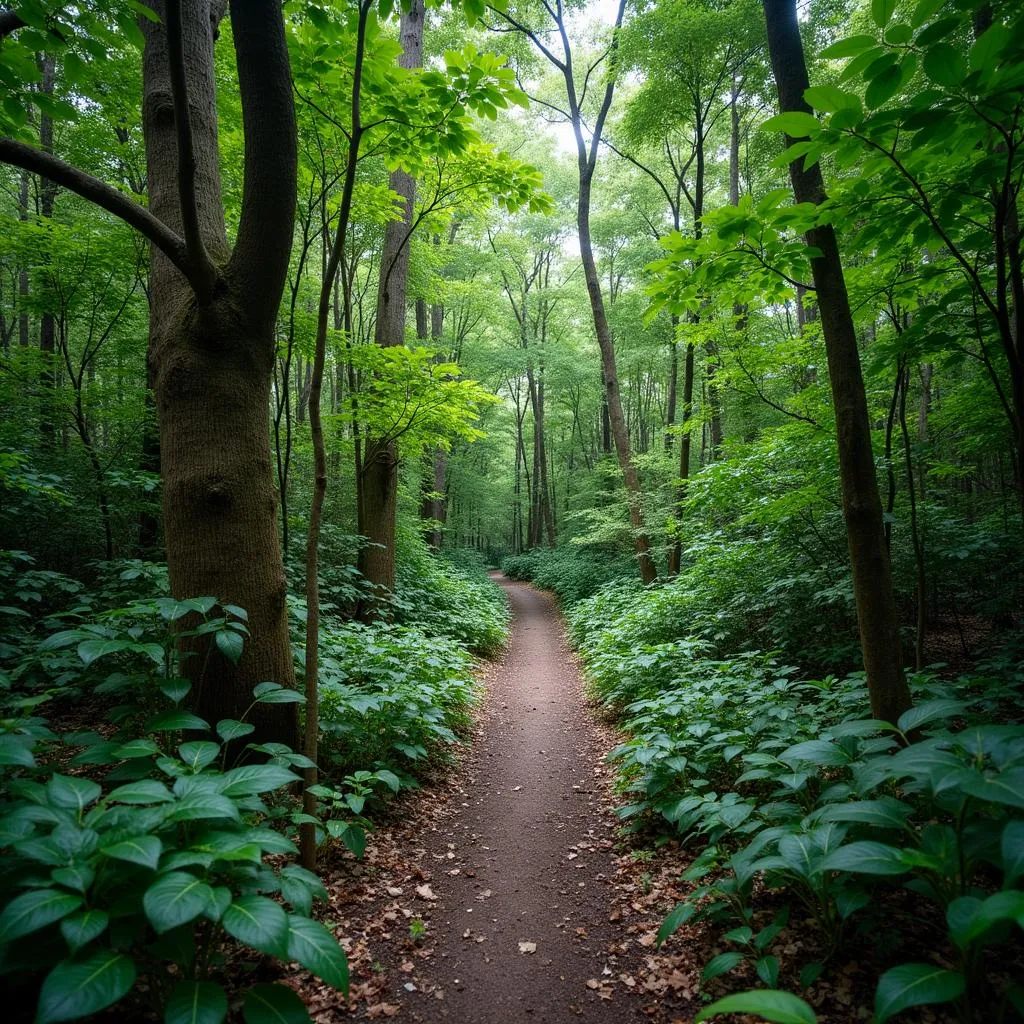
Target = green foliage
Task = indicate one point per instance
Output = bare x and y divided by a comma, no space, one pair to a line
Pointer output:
573,573
390,698
783,780
155,852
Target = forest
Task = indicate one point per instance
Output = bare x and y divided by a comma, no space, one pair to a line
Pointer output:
512,511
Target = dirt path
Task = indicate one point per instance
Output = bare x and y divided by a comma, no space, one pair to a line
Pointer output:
527,856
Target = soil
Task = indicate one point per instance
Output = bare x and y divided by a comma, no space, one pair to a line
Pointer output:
525,861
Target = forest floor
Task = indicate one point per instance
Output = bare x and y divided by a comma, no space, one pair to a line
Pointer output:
504,897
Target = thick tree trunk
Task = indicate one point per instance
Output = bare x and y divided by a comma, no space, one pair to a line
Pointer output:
862,507
378,484
211,360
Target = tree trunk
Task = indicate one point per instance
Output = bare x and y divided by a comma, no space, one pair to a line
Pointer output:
615,419
23,275
675,555
378,484
862,507
47,322
211,358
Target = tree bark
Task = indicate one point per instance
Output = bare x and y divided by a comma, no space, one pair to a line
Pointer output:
378,484
211,357
862,507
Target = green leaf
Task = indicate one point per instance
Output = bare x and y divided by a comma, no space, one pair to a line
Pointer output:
171,721
866,858
258,922
84,985
797,124
90,650
198,754
176,690
313,946
886,812
33,910
72,792
230,644
145,791
282,695
882,11
719,965
914,985
274,1004
770,1004
883,87
930,711
1005,788
848,47
251,779
830,97
80,929
1012,849
175,899
200,806
944,64
229,729
16,750
196,1002
144,850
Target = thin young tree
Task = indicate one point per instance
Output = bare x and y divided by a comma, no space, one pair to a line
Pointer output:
862,506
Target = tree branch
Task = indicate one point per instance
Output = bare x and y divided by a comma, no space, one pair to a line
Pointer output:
267,222
203,276
103,195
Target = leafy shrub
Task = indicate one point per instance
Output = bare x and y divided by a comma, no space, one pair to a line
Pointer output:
449,598
153,869
391,696
572,572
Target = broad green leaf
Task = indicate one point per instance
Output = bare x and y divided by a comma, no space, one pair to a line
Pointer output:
229,729
258,922
196,1002
145,791
81,928
915,985
797,124
199,753
882,11
274,1004
72,792
885,812
313,946
719,965
770,1004
171,721
866,858
176,898
90,650
944,64
930,711
1005,788
848,47
84,985
144,850
33,910
230,644
830,98
1012,849
252,779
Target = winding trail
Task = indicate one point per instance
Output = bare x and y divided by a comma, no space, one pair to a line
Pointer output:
526,855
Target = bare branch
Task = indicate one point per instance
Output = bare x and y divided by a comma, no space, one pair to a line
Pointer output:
99,192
